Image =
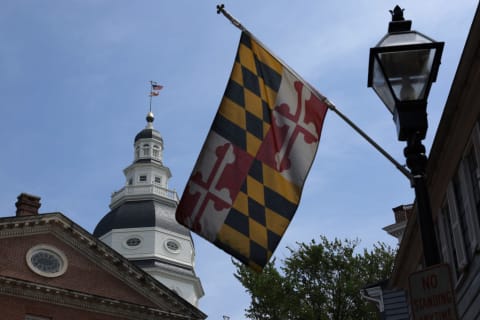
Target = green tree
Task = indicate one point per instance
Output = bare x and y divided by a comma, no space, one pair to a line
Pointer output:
318,281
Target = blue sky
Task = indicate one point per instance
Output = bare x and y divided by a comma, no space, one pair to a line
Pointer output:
74,82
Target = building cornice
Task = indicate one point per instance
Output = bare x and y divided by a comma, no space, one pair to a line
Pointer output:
100,254
144,192
82,301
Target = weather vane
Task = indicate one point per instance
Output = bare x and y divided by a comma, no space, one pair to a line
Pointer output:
154,91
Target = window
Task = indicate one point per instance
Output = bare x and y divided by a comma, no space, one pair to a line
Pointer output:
474,176
461,208
142,178
466,183
133,242
172,245
454,222
137,153
146,150
158,180
458,223
130,181
46,260
156,152
447,240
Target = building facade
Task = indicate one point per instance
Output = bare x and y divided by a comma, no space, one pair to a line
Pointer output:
54,269
401,213
141,224
453,177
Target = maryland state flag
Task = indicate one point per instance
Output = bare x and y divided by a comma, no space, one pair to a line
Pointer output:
248,179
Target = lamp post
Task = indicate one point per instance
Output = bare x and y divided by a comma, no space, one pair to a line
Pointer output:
402,68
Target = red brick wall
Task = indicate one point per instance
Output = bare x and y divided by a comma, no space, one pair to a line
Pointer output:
12,308
82,274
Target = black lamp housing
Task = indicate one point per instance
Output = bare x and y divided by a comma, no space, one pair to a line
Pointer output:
402,68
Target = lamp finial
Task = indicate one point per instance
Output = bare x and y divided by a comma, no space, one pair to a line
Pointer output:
397,13
398,23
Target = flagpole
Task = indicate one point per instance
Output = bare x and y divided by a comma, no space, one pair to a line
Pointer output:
330,105
151,94
399,166
235,22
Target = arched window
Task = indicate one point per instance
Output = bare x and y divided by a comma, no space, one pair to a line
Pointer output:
137,152
146,150
156,152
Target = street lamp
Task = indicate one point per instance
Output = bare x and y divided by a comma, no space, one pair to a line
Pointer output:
402,68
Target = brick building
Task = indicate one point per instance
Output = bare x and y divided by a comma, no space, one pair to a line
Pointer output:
54,269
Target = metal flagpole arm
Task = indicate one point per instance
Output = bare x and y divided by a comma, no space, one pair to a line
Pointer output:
400,167
235,22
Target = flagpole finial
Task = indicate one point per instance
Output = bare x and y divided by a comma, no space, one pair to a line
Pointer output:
235,22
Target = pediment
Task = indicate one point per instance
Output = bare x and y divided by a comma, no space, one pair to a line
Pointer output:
93,270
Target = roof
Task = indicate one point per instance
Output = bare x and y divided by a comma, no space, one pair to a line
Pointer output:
139,214
148,133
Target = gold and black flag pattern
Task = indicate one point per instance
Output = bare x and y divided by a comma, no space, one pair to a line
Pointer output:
248,179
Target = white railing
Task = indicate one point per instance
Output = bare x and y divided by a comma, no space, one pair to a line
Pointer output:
144,190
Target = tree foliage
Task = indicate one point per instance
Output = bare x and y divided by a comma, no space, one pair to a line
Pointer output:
317,281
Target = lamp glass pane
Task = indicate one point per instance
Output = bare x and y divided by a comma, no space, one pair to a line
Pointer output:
380,85
404,38
408,72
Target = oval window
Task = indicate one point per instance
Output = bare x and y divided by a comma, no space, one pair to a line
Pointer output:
172,245
133,242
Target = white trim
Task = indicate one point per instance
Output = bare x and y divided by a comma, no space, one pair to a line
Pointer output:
469,203
176,242
30,317
62,258
456,228
444,237
475,141
133,236
375,295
